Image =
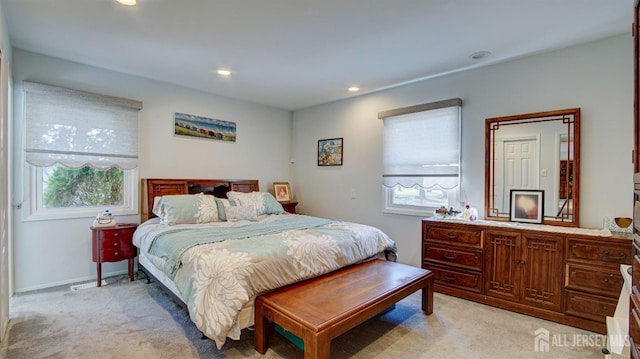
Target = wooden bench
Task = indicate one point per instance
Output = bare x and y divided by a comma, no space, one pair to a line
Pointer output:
320,309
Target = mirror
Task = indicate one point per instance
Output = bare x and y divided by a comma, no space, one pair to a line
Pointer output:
536,151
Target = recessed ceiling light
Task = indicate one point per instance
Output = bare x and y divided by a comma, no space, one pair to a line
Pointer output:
479,55
224,72
127,2
353,89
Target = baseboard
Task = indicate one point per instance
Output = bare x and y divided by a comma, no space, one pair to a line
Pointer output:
70,281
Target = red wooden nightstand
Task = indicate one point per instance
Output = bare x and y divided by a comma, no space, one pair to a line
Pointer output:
289,206
113,244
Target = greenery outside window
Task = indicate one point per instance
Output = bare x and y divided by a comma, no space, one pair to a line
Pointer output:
421,157
62,192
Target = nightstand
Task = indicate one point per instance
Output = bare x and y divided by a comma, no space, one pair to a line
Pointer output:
113,244
289,206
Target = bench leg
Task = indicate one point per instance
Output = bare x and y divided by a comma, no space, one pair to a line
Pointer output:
317,347
260,329
427,298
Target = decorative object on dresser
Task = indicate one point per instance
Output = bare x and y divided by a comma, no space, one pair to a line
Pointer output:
113,244
534,151
566,275
526,206
330,152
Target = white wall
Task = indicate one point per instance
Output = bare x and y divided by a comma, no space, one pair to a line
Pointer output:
6,229
597,77
49,253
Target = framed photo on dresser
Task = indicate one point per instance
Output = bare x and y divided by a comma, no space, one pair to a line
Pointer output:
526,206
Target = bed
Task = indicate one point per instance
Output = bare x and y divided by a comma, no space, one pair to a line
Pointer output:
217,244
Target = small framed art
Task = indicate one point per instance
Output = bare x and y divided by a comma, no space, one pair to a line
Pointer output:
526,206
330,152
282,191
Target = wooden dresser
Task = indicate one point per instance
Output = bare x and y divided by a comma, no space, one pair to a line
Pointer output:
563,275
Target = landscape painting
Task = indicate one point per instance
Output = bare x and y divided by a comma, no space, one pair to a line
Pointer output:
197,126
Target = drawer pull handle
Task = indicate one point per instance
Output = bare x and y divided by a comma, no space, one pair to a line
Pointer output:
115,234
451,235
450,277
115,244
115,254
620,256
449,256
605,307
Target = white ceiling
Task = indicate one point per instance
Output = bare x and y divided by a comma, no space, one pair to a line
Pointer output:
293,54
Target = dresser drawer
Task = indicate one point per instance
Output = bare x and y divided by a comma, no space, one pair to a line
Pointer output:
603,281
458,278
465,237
617,253
453,256
589,306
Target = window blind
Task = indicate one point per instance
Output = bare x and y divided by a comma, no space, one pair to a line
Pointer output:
421,145
77,128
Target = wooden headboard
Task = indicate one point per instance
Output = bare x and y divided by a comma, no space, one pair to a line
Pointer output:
155,187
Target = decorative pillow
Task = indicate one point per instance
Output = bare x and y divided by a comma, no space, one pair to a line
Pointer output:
271,205
186,209
157,207
264,202
223,203
238,213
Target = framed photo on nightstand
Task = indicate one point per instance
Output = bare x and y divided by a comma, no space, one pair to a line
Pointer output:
282,190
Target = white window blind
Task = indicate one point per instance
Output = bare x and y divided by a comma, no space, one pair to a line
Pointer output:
76,128
421,145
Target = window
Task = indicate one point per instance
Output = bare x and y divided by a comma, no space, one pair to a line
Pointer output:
82,151
421,157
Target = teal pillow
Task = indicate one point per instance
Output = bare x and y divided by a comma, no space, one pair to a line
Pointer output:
186,209
271,206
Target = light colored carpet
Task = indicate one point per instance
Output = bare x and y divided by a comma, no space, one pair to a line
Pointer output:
137,320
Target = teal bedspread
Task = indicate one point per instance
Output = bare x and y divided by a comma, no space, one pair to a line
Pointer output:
173,243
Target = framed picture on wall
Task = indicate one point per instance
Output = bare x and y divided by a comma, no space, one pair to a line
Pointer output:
330,152
282,191
526,206
203,127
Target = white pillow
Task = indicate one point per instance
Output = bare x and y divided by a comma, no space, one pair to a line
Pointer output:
264,202
238,213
